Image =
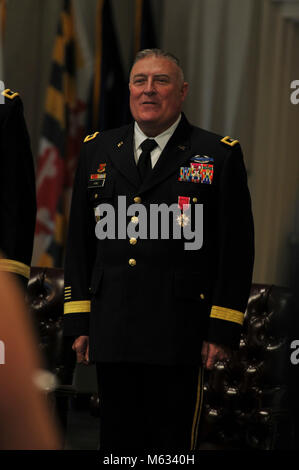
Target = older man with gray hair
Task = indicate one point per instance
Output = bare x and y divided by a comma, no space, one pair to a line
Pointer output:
151,314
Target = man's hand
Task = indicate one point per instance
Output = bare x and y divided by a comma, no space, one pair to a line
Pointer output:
81,347
212,353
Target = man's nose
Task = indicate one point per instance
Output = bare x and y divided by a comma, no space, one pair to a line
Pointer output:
149,88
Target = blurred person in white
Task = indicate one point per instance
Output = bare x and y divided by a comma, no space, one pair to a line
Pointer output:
26,420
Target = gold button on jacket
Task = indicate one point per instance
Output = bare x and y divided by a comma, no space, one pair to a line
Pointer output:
132,262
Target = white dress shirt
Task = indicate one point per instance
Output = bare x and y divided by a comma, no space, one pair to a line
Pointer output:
161,140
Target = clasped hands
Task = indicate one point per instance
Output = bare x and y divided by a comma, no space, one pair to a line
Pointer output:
210,352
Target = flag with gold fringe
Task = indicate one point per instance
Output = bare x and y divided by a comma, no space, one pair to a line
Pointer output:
145,34
108,105
62,134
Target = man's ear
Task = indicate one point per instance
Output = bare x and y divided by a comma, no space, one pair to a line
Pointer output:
184,90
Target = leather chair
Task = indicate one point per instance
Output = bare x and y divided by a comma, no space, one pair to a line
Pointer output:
45,296
249,402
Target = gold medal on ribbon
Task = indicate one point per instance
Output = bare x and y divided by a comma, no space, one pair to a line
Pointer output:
183,220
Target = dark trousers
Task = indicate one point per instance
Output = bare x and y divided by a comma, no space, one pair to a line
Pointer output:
149,407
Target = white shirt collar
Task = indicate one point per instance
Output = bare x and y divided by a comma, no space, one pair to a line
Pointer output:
161,139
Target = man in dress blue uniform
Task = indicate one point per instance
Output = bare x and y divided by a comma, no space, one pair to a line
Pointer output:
148,312
17,189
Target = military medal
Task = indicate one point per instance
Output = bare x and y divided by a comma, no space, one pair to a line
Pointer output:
196,172
191,174
201,170
97,179
183,220
207,174
102,168
184,204
185,174
201,159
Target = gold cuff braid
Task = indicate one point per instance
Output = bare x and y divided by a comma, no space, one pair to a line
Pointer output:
16,267
227,314
81,306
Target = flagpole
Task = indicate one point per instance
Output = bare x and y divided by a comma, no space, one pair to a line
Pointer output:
98,61
138,20
3,18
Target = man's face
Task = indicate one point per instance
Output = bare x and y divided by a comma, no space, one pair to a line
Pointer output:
157,93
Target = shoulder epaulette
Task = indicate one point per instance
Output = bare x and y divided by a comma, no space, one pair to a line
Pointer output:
11,95
229,141
91,136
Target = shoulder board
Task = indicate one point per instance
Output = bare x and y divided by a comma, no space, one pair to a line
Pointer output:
229,141
11,95
91,136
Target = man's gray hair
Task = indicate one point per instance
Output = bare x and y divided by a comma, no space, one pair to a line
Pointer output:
160,53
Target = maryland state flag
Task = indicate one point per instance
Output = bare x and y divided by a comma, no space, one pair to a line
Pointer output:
62,134
145,35
109,96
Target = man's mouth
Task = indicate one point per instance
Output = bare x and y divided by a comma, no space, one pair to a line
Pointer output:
149,105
